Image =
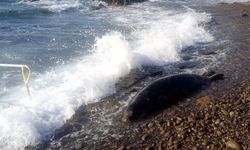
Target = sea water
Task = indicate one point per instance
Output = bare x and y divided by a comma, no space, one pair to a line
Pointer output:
77,55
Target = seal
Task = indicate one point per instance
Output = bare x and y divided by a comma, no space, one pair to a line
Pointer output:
165,92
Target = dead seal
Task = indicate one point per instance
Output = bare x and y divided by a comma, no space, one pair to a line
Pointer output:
165,92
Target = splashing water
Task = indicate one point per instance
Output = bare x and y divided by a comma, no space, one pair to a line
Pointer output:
59,91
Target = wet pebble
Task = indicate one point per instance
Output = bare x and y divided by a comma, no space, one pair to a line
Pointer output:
203,101
233,145
159,147
244,13
231,114
121,147
144,137
150,125
149,148
217,121
78,146
178,120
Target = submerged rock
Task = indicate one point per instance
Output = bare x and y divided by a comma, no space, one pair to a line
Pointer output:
99,6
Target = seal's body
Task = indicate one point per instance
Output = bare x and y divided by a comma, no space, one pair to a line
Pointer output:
164,92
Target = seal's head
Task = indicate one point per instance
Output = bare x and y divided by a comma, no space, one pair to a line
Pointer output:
138,108
127,116
131,116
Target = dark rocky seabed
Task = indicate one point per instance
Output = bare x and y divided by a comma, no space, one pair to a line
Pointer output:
217,118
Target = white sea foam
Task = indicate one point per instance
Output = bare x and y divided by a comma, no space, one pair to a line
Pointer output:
59,92
55,5
56,94
231,1
201,1
162,41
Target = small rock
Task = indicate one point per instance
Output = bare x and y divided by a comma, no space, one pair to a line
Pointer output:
157,123
92,8
144,137
178,120
194,148
224,112
233,145
143,125
217,121
206,116
159,146
162,131
149,148
150,125
121,148
190,119
209,53
168,123
78,146
203,101
218,133
133,90
231,114
244,13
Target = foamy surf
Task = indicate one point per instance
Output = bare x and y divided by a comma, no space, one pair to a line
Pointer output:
231,1
199,2
57,93
54,5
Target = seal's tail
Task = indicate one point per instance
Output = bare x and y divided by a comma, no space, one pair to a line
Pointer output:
216,77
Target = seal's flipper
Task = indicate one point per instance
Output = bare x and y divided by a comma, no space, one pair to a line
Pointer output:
216,77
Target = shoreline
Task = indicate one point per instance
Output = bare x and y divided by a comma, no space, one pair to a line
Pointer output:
212,119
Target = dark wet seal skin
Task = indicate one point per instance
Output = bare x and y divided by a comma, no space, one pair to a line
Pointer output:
165,92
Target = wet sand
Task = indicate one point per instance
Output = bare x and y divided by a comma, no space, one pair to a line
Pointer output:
217,118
